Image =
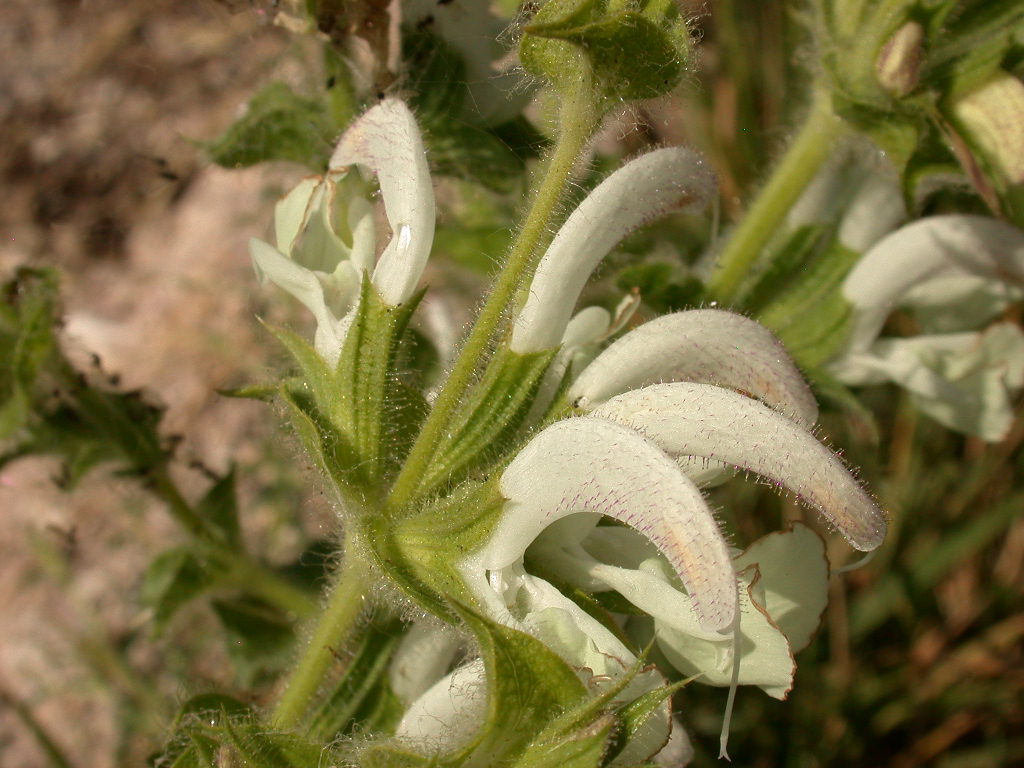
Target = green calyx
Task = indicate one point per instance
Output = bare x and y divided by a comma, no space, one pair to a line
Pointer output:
572,41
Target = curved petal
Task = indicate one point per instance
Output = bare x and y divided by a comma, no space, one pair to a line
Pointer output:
422,658
305,286
387,141
704,345
446,715
716,423
962,380
794,575
291,214
588,645
587,464
642,190
765,657
934,247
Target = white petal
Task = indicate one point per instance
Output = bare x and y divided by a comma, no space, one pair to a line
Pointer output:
300,282
387,141
446,715
705,345
875,211
794,576
585,643
708,421
938,246
593,465
765,658
644,189
422,658
292,212
962,380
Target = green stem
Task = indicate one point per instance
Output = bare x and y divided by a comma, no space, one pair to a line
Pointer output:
577,119
243,572
54,756
344,606
812,145
254,578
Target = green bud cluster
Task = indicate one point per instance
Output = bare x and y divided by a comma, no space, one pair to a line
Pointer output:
573,42
916,74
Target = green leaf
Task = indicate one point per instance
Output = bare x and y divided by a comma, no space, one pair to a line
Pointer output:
359,401
206,705
259,637
634,716
812,317
28,314
474,153
313,368
976,38
196,738
437,75
422,552
87,426
528,686
219,508
787,260
497,408
492,156
349,704
568,39
585,748
278,125
258,748
174,578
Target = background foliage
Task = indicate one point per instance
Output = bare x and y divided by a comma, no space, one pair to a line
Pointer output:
919,663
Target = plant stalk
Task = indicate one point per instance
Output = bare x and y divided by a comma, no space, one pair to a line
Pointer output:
578,116
242,571
343,609
811,147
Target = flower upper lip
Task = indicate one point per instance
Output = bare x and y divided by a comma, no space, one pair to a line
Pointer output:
386,142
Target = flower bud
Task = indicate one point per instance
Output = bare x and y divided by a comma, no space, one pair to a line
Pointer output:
572,41
992,119
899,62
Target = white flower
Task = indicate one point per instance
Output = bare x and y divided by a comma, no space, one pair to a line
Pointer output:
783,591
663,404
325,229
628,461
963,380
646,188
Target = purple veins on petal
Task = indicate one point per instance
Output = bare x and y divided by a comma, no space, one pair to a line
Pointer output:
710,346
688,419
593,465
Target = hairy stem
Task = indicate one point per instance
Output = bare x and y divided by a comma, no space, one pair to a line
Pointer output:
243,571
344,606
811,146
577,119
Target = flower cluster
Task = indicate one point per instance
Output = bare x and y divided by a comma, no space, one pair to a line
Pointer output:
606,498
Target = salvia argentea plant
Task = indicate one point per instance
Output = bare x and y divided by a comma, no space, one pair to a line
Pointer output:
536,514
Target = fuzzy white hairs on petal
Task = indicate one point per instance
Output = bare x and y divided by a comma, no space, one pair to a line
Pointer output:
593,465
387,141
706,345
646,188
687,419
